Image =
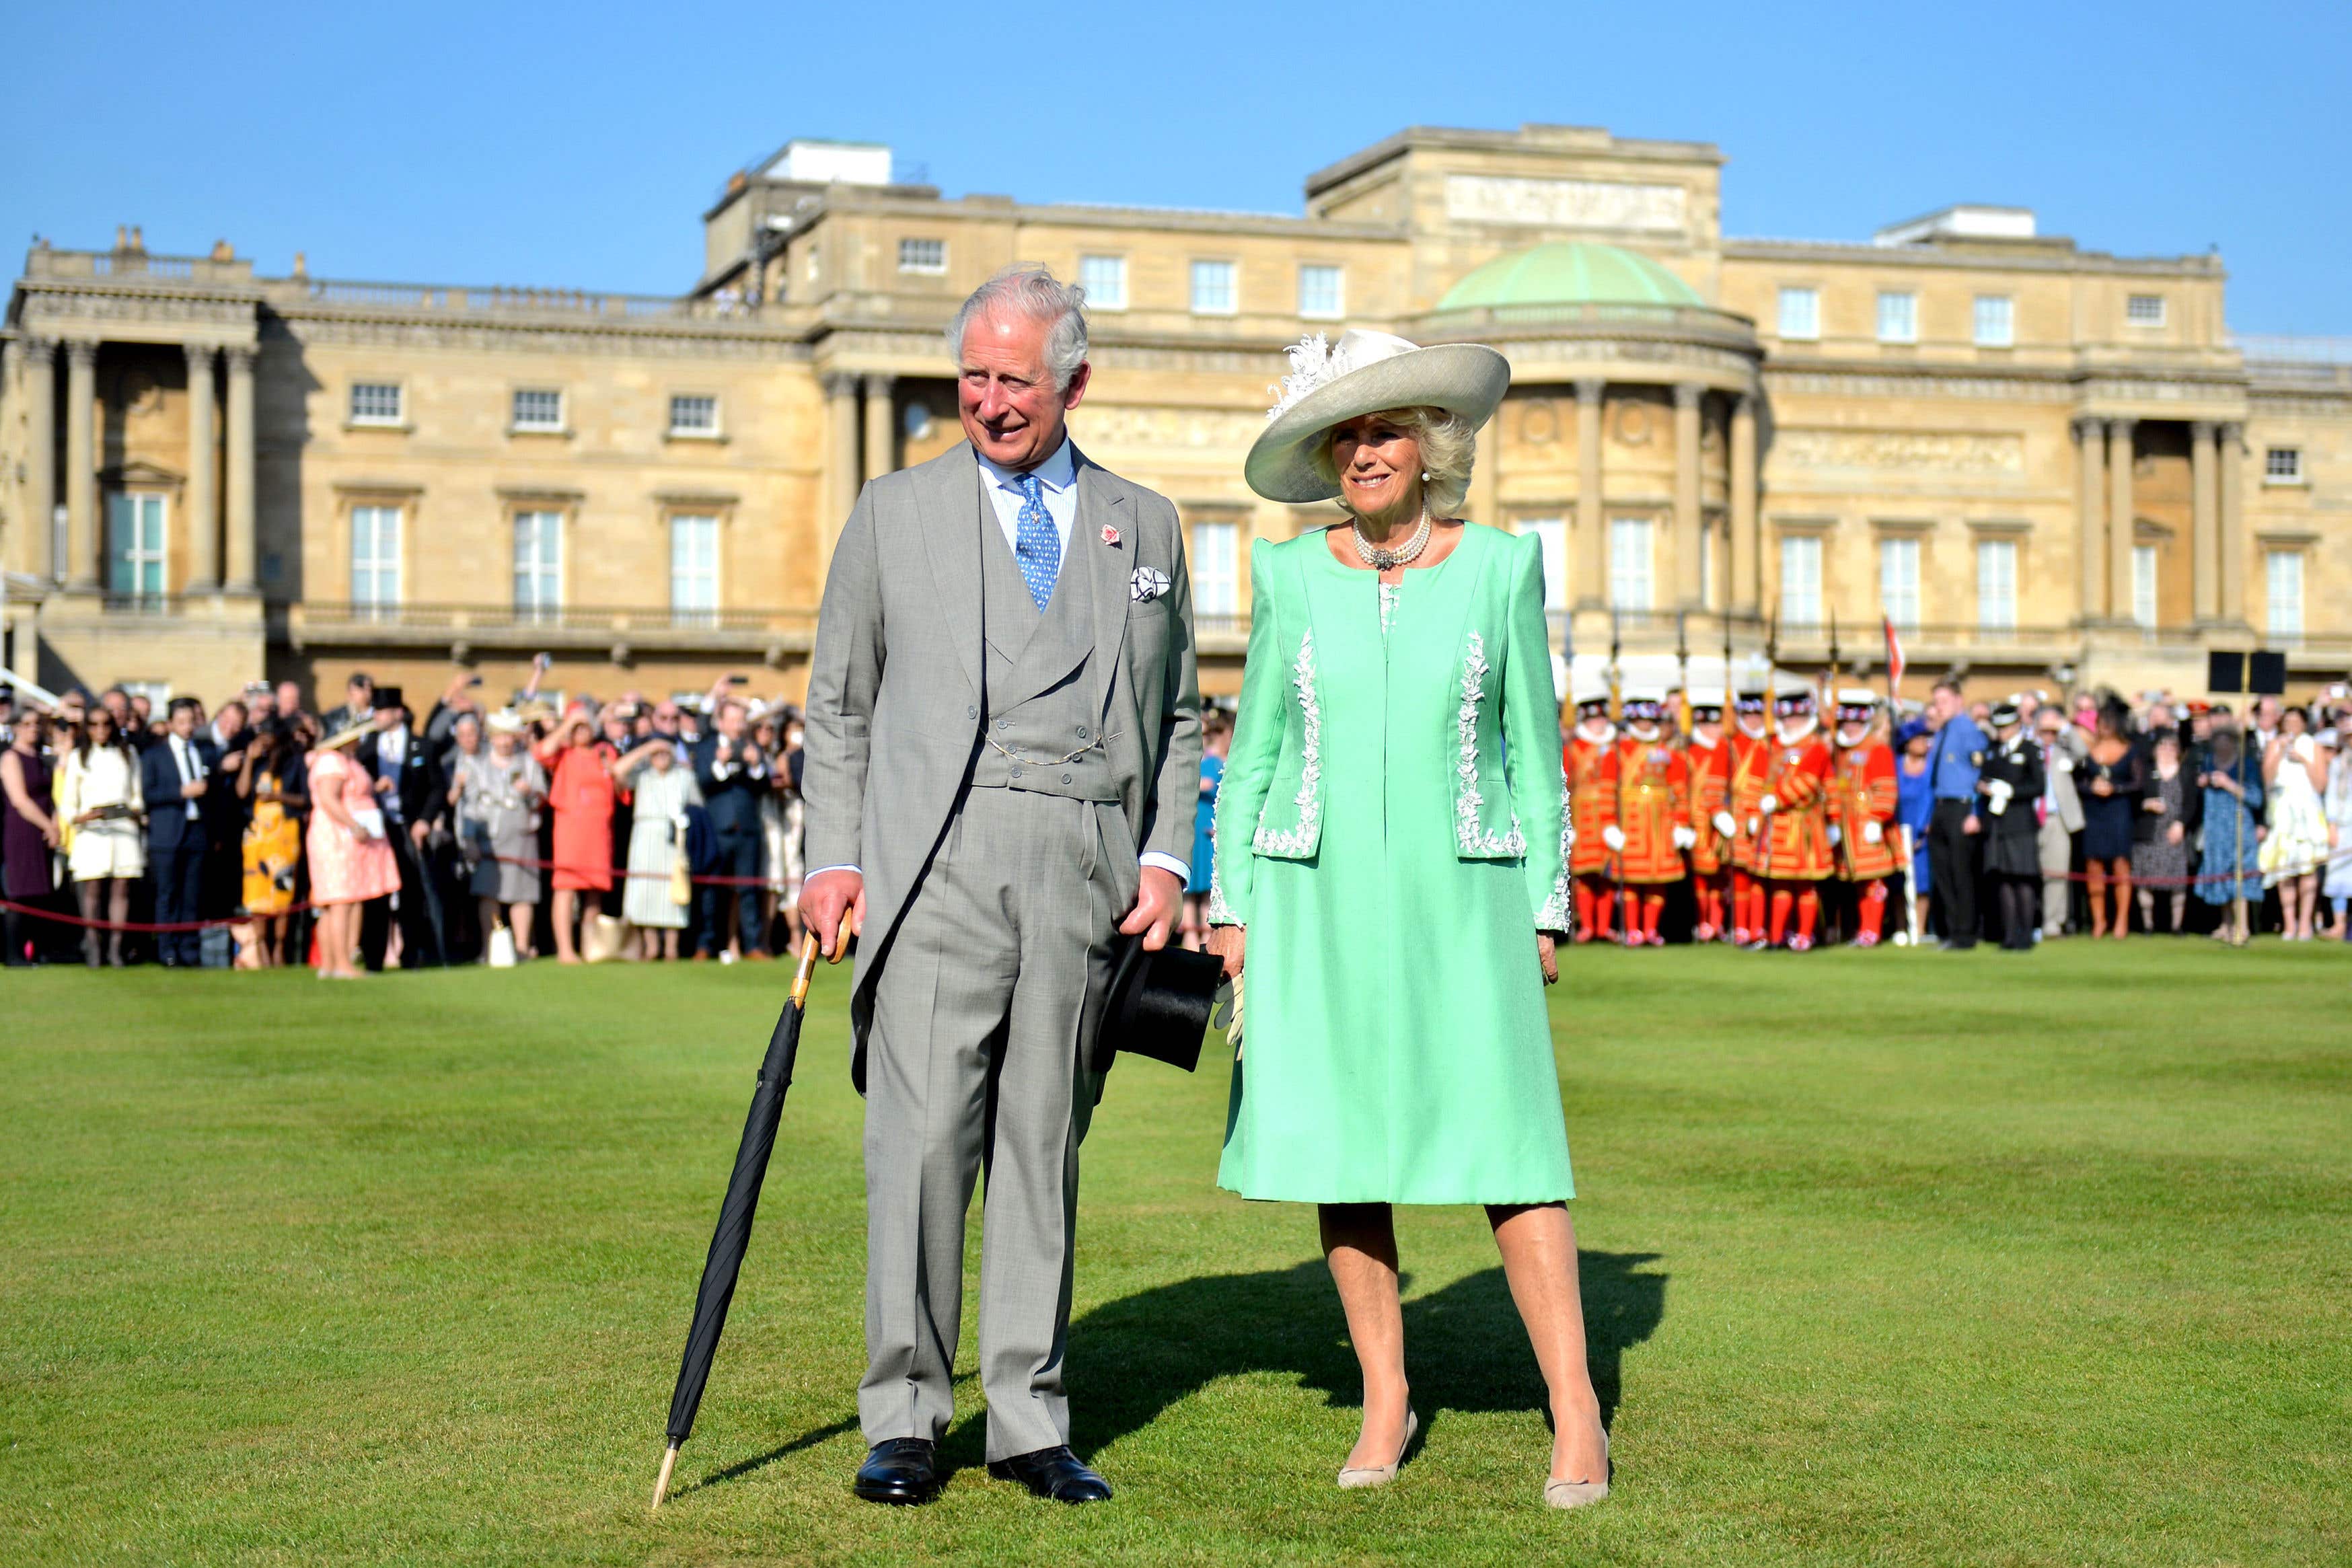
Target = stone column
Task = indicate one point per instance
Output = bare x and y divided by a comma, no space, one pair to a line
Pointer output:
33,552
843,464
243,545
1688,398
2205,519
2119,518
203,457
1591,535
2232,575
1745,593
2090,514
84,570
881,454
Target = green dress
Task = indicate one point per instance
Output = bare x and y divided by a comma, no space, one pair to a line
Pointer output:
1388,831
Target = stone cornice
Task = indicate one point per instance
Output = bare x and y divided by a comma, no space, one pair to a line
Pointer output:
1851,253
583,335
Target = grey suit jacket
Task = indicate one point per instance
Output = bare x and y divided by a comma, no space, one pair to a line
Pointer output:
2063,792
896,686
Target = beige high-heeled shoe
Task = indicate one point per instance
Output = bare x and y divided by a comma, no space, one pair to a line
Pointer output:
1360,1476
1576,1494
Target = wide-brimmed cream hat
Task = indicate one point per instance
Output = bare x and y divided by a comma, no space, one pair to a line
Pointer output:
1364,372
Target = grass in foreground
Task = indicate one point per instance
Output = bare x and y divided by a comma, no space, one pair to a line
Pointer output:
1891,1258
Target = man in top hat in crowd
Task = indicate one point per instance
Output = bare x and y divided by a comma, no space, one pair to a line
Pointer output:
1861,809
1751,748
1707,761
1002,768
1793,855
1590,759
1653,824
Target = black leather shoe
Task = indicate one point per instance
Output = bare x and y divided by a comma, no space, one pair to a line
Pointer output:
899,1470
1055,1474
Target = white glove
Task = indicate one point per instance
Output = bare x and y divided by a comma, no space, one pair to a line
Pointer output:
1837,834
1755,826
1726,824
1614,836
1768,805
2000,794
1872,833
1684,838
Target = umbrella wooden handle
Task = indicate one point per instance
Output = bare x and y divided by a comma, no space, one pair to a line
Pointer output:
810,948
661,1487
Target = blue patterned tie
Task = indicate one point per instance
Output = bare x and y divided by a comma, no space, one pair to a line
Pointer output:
1039,547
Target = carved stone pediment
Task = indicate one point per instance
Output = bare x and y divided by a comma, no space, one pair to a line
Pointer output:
138,473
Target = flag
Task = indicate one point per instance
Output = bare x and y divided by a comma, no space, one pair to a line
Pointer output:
1893,656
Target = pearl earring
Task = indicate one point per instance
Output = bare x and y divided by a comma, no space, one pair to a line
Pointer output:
1425,476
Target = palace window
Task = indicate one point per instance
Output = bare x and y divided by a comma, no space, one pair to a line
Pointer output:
1103,277
1801,314
693,414
1898,317
2143,610
1996,584
537,408
1216,562
1801,579
2282,465
694,569
2283,584
2145,309
376,402
135,547
1553,532
1322,293
538,565
1996,321
375,558
1898,581
1213,292
923,256
1630,573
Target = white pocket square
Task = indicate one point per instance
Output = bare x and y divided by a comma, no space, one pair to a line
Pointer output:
1147,585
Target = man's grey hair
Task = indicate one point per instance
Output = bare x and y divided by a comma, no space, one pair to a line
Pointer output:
1030,290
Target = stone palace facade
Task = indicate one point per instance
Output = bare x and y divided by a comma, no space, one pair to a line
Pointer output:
2047,465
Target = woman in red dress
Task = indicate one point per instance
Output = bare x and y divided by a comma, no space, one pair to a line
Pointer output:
580,794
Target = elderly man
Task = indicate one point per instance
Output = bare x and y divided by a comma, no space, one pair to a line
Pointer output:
2061,815
1002,763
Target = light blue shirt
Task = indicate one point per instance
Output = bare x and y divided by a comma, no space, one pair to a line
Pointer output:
1952,759
1057,481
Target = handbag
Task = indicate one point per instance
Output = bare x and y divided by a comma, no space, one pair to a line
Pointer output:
368,821
502,947
681,879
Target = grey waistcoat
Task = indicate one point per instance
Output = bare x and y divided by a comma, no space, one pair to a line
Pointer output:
1037,692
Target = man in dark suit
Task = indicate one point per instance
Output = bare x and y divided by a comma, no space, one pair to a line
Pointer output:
178,774
359,705
733,772
410,791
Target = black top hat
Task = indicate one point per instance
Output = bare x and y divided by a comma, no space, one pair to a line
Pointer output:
1157,1004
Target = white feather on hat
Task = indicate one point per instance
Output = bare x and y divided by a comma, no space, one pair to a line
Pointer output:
1365,372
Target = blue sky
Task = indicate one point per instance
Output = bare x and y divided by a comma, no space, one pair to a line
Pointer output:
578,145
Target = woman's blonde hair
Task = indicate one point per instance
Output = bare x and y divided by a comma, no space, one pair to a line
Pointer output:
1448,444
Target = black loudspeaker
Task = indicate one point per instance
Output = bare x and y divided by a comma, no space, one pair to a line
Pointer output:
2225,671
2268,676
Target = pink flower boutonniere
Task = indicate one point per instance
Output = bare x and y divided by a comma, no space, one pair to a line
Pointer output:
1110,536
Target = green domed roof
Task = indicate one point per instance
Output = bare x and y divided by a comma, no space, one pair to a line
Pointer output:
1569,273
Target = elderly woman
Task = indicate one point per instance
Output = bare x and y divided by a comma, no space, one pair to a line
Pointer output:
2231,783
497,788
1389,860
661,792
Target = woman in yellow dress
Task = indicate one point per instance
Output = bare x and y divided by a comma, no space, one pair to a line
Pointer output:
270,780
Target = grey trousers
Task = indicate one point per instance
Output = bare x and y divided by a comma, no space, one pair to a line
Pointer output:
2056,847
975,1060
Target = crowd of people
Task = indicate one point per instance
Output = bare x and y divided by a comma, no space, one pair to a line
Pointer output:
259,833
2021,819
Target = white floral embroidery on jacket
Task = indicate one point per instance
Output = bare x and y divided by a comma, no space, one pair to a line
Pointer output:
1468,802
1300,837
1553,915
1220,913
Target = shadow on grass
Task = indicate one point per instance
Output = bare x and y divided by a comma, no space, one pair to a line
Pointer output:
745,1467
1465,1345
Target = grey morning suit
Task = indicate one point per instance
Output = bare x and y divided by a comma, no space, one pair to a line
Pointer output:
998,858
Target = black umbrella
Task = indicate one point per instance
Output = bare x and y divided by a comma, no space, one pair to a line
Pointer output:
734,1232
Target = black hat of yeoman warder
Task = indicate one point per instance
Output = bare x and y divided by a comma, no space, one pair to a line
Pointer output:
1157,1004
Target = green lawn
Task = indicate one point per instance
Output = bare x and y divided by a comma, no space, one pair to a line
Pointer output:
1889,1258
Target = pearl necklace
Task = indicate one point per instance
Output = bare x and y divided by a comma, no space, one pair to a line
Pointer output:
1380,559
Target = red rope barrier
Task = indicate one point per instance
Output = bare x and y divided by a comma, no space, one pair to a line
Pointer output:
145,926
